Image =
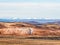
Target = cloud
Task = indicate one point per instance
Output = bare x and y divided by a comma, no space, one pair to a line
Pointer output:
44,5
28,9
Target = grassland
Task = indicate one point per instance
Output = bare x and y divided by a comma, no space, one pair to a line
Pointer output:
28,42
12,40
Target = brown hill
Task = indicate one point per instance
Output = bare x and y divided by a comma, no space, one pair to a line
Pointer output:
26,29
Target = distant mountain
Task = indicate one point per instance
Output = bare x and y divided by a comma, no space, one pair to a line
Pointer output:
32,21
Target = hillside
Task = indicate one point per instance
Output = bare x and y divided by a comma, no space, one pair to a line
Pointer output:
27,29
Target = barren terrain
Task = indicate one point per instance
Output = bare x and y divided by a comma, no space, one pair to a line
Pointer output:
19,33
26,29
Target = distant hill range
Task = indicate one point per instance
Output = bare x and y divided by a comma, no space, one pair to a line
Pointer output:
33,21
30,27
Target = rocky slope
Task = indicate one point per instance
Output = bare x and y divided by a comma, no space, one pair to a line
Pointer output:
26,29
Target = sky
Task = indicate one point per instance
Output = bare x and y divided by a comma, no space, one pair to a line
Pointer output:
27,9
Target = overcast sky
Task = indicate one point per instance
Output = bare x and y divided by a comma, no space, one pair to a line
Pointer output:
30,9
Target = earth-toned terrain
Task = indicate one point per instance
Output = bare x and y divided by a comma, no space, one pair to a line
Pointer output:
26,29
21,33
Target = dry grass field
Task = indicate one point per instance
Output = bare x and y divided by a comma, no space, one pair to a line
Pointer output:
12,40
28,42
